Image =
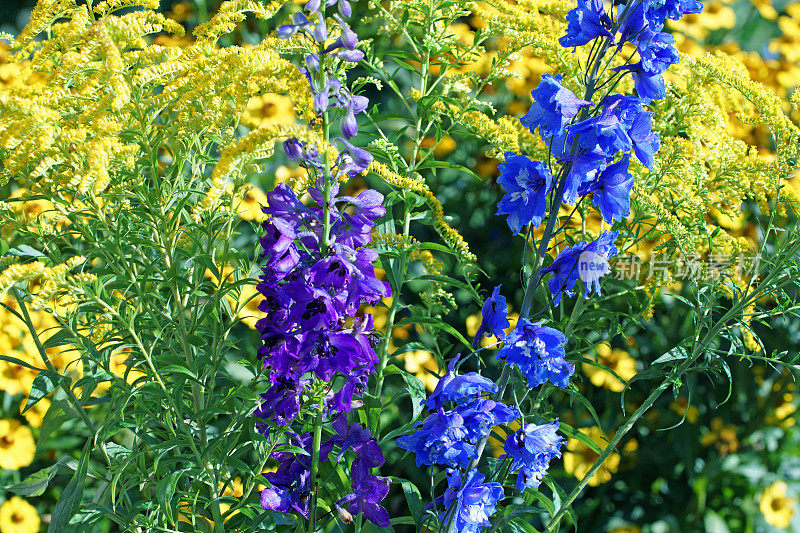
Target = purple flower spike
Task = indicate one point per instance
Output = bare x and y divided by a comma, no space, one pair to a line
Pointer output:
368,491
299,22
349,124
361,158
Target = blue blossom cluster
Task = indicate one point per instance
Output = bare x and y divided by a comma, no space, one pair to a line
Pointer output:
318,271
593,142
461,417
449,436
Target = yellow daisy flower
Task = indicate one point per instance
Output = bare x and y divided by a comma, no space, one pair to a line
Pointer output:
268,109
617,360
17,446
579,458
35,415
776,506
18,516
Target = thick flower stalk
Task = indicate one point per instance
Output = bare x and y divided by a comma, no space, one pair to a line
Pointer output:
318,271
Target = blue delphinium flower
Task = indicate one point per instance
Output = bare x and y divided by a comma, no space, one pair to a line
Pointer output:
538,352
584,169
469,502
603,132
531,448
526,183
460,389
660,10
566,266
612,190
481,415
442,439
638,125
585,23
494,317
553,107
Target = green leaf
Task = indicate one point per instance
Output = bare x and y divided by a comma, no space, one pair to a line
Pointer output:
14,360
23,250
58,413
70,500
36,483
414,500
44,383
435,323
416,389
572,433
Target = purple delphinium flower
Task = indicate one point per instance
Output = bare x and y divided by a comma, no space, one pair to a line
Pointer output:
538,352
368,491
469,502
290,482
531,448
318,272
586,22
566,266
494,317
612,190
526,183
553,107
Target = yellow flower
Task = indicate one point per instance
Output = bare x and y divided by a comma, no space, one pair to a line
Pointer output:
18,516
782,412
268,109
776,506
579,458
35,414
616,360
445,145
626,529
681,406
423,365
249,207
14,378
17,446
722,436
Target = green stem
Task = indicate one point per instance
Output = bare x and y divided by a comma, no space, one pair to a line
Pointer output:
314,488
603,456
73,400
384,351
